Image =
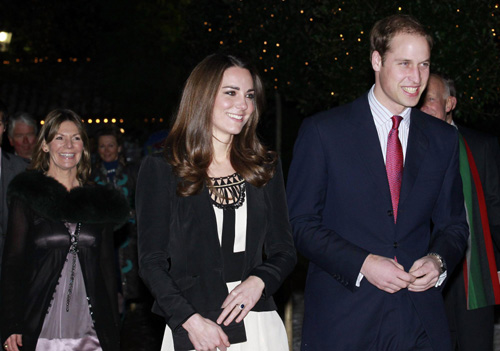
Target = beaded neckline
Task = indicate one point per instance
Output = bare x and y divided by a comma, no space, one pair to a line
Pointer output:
73,249
227,192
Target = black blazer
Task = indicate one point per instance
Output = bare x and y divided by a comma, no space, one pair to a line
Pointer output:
180,257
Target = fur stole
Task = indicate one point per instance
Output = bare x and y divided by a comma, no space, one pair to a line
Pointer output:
87,204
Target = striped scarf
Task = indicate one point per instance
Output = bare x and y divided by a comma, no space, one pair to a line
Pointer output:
482,287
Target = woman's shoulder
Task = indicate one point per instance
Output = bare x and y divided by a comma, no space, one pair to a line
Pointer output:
156,160
50,199
30,185
98,204
157,166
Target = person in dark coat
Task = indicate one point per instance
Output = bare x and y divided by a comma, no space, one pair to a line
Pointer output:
58,286
474,289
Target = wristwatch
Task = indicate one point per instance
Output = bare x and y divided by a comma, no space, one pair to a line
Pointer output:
441,261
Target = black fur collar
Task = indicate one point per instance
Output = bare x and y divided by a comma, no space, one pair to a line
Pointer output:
49,198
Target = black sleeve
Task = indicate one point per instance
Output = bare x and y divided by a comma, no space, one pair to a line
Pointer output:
281,255
153,208
108,270
13,278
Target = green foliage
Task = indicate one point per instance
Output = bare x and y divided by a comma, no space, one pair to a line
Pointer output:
316,52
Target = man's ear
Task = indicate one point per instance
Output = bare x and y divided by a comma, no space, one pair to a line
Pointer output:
376,61
451,103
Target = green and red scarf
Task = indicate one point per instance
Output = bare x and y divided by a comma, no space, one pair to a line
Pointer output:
482,286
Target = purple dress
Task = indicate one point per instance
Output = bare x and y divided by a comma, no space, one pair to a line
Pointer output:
68,323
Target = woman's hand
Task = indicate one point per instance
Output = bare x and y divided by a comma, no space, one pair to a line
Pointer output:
205,334
13,342
241,300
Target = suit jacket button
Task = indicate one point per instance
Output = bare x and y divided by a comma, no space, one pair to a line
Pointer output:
395,245
390,213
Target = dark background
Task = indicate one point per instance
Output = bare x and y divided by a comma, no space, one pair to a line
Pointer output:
128,59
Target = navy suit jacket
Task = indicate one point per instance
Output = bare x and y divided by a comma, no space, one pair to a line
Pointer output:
340,210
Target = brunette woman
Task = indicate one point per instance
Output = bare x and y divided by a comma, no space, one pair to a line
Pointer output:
214,238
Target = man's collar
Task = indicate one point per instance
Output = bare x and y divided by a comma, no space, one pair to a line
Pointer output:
382,110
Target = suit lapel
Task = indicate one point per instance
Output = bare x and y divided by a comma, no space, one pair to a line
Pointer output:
256,215
415,152
367,145
204,213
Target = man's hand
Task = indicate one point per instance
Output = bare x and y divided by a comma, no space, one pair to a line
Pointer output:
427,270
386,274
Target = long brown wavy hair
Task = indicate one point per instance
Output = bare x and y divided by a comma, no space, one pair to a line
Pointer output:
189,148
41,159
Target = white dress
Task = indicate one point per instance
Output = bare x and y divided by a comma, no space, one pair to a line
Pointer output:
264,330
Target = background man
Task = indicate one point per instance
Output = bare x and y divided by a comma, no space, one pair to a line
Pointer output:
364,222
22,134
10,166
470,296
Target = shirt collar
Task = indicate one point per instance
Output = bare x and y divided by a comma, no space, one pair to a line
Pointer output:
381,114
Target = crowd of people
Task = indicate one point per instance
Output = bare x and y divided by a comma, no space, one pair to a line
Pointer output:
396,209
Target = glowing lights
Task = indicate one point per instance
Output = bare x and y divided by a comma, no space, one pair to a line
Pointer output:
5,37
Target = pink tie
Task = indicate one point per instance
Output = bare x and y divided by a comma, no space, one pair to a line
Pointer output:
394,164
